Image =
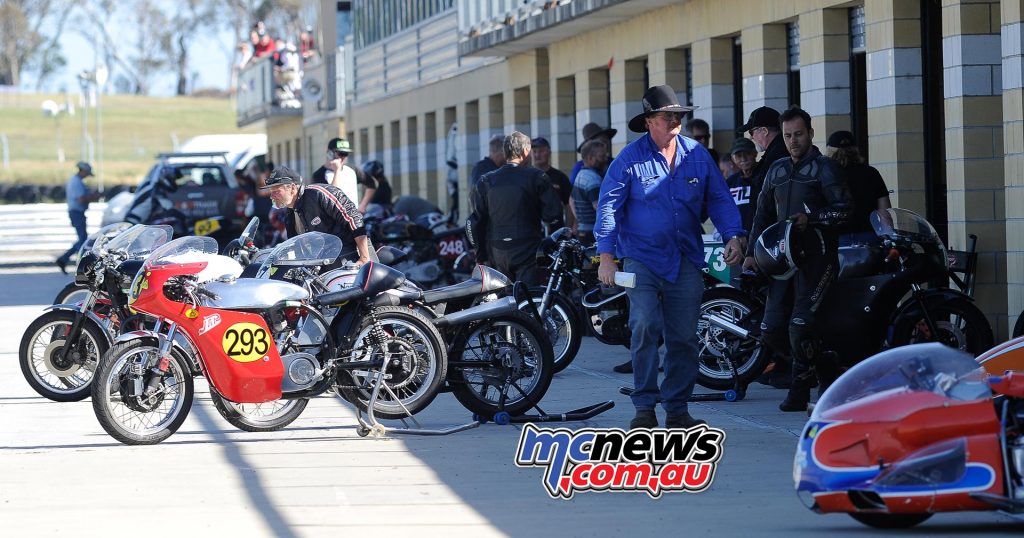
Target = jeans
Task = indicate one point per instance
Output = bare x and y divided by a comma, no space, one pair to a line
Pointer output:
662,309
78,223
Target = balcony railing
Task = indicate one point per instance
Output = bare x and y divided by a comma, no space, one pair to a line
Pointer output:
262,93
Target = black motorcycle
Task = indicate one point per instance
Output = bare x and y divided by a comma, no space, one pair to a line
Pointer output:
437,253
881,298
499,356
60,349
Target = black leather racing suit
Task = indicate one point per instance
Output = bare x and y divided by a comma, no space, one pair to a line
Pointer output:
809,186
325,208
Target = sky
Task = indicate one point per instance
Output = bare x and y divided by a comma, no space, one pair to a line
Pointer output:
207,58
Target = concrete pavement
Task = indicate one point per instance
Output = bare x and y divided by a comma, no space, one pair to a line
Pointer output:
60,473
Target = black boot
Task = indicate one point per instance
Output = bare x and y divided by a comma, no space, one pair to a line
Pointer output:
624,368
800,391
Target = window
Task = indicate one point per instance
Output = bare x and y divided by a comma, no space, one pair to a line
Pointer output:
793,61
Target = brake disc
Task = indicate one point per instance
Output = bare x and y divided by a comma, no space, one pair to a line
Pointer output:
56,365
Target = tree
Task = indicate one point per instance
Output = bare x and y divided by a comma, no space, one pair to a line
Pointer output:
29,33
147,56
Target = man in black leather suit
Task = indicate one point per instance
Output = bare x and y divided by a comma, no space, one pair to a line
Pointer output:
802,188
509,206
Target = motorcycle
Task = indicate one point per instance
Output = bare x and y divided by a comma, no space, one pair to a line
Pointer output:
73,292
258,340
437,253
60,349
605,310
499,357
910,432
877,301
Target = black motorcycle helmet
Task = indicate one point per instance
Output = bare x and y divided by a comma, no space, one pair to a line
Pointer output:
373,168
781,249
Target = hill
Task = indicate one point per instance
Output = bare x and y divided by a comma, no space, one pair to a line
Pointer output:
135,129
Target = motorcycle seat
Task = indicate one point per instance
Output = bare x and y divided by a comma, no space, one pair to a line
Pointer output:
372,279
860,261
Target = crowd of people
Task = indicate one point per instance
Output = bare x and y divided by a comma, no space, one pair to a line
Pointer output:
647,207
287,59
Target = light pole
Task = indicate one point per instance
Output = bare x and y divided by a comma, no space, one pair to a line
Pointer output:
85,78
101,81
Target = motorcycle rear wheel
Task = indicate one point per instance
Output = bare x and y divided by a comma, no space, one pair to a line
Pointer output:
517,339
889,521
261,417
40,350
127,418
961,325
411,340
713,342
562,326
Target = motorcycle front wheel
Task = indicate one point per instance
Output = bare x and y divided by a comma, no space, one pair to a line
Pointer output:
41,355
562,326
509,356
72,294
959,323
118,393
715,343
259,417
414,363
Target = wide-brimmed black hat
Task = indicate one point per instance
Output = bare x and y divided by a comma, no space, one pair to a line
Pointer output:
592,131
657,99
282,175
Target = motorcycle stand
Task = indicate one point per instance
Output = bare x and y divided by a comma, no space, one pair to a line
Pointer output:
370,426
503,418
737,393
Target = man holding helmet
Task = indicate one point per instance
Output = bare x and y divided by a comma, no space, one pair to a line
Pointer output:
803,259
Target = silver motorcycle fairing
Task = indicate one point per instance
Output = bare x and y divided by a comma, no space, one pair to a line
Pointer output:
181,343
100,322
250,293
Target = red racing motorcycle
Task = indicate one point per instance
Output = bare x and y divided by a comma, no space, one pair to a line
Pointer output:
256,341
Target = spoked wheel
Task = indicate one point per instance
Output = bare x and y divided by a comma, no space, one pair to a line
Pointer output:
561,325
48,371
508,356
716,343
126,409
890,521
72,294
959,323
259,417
414,363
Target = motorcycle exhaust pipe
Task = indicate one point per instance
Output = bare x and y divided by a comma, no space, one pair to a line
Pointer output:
501,307
726,325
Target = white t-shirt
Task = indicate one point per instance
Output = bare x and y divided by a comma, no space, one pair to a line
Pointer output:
346,181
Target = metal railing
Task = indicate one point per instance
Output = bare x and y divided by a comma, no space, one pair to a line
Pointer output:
258,95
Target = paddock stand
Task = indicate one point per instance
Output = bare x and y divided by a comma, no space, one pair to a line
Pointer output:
737,393
370,426
503,418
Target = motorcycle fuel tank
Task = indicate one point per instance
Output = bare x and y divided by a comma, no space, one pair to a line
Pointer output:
252,293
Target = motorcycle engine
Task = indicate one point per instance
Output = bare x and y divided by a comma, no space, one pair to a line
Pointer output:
300,372
611,326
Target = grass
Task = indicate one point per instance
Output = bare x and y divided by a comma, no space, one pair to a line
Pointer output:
135,129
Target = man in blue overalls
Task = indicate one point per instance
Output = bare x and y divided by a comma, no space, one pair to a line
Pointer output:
649,214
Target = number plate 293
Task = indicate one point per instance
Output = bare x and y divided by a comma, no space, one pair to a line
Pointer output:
246,342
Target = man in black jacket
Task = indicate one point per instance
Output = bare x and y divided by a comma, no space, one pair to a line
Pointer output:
319,208
801,188
509,206
763,128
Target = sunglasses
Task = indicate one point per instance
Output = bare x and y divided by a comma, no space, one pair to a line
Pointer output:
331,154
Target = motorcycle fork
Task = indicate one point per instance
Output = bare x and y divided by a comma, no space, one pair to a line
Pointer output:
76,326
554,283
163,363
928,321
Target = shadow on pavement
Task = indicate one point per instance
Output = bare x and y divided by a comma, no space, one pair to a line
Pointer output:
31,288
